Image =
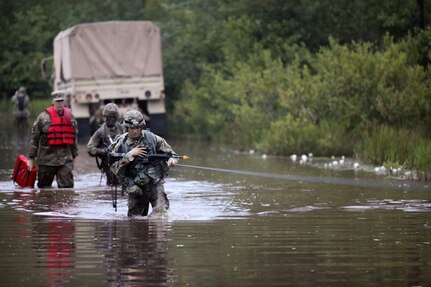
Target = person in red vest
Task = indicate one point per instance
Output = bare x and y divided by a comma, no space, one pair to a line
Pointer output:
54,144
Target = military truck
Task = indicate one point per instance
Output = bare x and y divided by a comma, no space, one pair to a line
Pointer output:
114,61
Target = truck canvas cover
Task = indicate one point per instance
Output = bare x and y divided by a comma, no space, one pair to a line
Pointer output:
106,50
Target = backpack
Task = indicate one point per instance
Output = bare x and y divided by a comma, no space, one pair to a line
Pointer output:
21,102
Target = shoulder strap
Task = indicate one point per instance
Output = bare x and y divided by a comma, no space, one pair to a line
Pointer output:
151,139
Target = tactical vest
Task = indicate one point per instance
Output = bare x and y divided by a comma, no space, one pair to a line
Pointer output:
141,171
106,140
61,131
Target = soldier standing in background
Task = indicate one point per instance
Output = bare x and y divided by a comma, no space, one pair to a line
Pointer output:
20,106
103,138
54,144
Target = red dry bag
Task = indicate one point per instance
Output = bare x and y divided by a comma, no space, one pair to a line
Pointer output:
21,175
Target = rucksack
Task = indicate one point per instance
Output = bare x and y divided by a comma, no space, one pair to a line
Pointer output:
21,102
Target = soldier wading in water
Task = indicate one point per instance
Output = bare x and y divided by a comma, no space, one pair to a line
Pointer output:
142,179
103,138
53,144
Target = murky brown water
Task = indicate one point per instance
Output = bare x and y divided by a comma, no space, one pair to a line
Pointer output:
254,222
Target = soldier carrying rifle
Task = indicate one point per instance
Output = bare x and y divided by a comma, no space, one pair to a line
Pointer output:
141,178
103,138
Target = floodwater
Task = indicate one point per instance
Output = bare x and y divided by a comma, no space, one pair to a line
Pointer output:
236,219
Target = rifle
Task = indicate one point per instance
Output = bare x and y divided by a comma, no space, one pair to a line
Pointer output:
116,156
102,159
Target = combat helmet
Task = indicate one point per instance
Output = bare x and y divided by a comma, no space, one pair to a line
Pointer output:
134,119
111,110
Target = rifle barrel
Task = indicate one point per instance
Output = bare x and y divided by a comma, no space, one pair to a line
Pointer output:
118,156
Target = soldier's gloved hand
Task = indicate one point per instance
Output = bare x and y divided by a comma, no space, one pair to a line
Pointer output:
172,162
139,151
30,164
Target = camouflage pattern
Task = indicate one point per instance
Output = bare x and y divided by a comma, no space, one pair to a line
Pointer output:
134,119
143,182
98,145
111,110
17,113
58,95
138,200
49,155
63,175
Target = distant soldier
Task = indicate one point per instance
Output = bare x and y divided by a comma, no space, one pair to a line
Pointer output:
20,102
103,138
54,144
141,179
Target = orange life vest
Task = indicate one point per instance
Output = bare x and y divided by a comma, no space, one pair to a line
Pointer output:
61,131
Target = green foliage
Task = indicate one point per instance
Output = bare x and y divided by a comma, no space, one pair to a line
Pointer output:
420,158
384,144
282,76
290,135
392,147
323,104
36,106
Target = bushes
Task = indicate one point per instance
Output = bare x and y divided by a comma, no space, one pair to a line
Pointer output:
385,145
420,158
393,147
343,100
294,135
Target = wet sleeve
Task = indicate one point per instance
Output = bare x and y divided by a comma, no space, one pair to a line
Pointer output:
119,167
163,146
93,143
36,133
75,145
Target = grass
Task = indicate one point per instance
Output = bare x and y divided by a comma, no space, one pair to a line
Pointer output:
397,148
36,106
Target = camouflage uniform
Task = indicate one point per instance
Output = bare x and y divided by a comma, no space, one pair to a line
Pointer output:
98,145
143,181
53,161
20,102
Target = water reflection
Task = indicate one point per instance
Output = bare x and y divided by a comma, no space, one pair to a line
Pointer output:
223,229
55,249
132,253
136,251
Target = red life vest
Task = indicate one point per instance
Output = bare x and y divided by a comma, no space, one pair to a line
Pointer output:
61,131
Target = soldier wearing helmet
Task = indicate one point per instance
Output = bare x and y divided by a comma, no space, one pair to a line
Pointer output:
103,137
141,179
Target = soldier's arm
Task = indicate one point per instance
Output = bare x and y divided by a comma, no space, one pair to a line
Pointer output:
163,146
75,145
27,100
93,144
119,166
36,134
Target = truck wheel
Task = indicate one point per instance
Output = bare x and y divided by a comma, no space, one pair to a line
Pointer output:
84,130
